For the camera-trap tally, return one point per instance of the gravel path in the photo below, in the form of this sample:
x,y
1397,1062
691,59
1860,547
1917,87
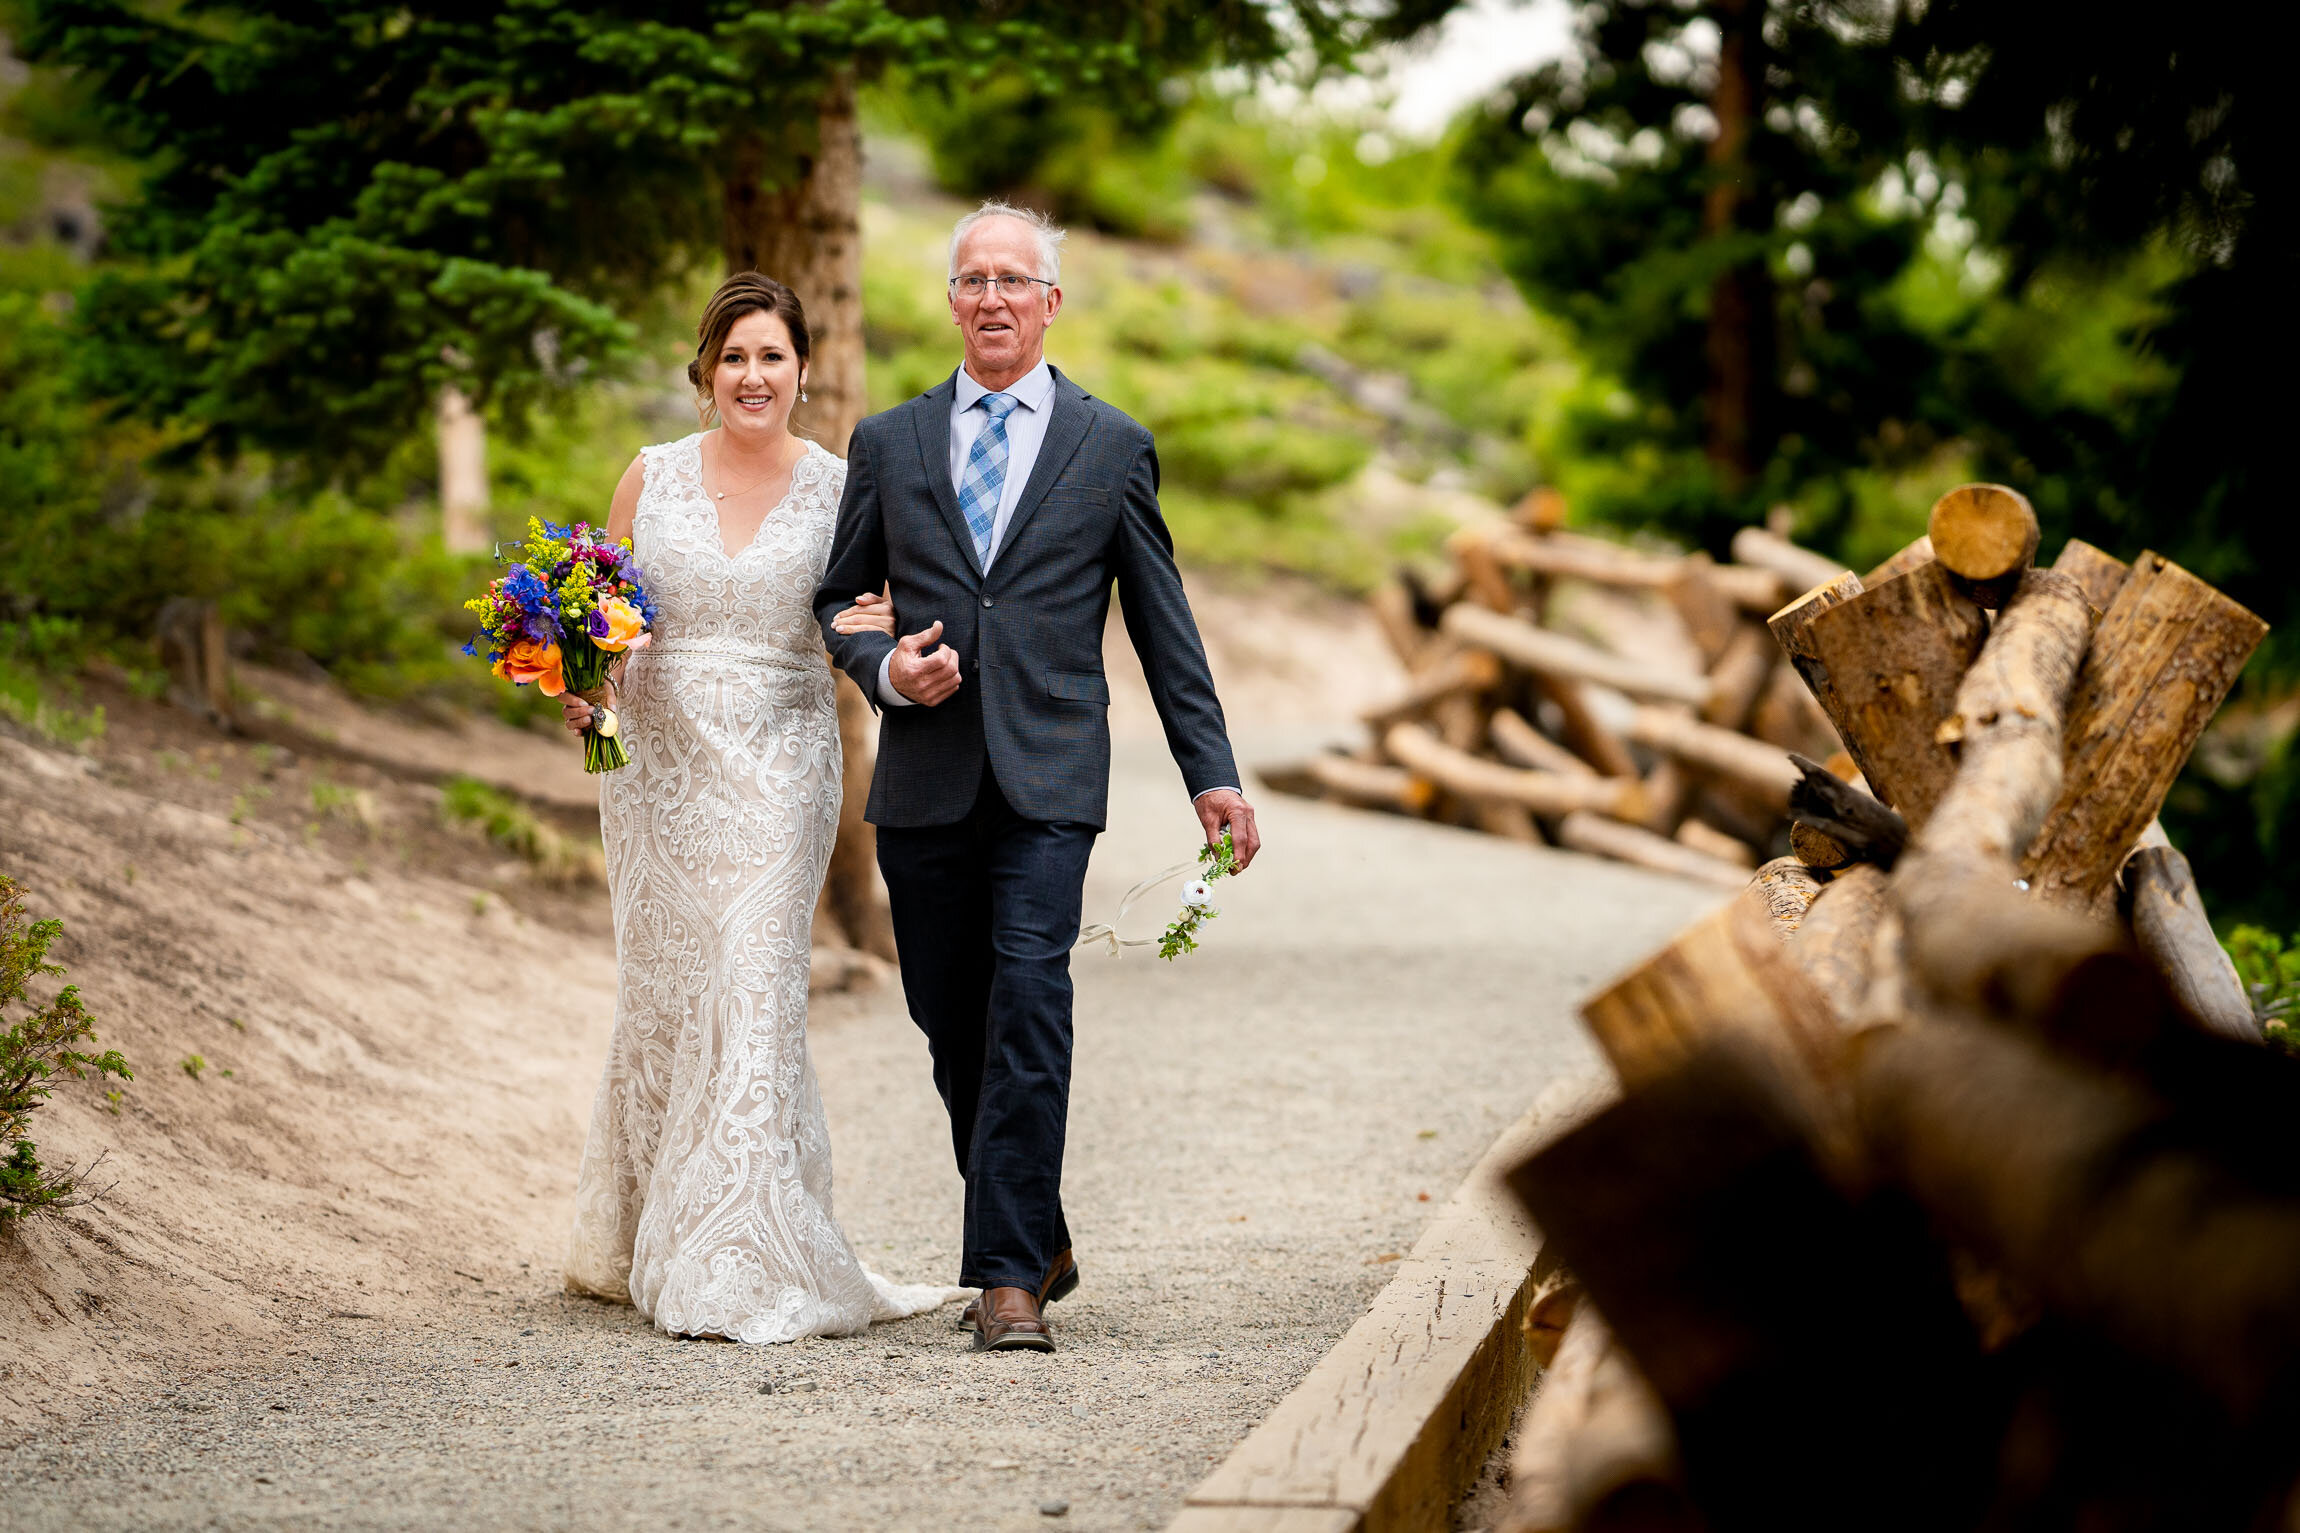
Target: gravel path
x,y
1255,1131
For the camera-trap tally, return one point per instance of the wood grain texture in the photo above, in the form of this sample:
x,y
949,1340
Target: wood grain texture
x,y
1555,654
1787,888
2164,656
1399,1418
1984,535
1835,943
1817,849
2101,574
1893,657
1724,975
1791,628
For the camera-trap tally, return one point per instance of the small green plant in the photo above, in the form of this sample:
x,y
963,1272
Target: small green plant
x,y
194,1065
2269,966
38,1044
334,801
556,858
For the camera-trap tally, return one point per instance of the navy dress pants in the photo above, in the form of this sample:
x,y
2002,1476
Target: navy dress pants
x,y
985,914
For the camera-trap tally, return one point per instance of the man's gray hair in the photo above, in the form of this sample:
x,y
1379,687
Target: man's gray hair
x,y
1050,235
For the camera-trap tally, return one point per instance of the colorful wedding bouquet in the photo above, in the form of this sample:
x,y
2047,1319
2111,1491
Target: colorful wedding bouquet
x,y
566,605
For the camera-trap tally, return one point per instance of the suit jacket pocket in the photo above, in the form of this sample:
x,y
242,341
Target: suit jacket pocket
x,y
1078,686
1076,495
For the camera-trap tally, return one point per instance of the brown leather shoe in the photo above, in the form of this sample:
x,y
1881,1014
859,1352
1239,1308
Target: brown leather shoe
x,y
1060,1282
1007,1320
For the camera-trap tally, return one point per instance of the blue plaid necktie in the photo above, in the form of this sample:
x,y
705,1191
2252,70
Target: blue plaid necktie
x,y
985,473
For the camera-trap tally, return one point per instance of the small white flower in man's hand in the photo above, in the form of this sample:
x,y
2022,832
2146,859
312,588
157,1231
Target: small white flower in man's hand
x,y
1197,894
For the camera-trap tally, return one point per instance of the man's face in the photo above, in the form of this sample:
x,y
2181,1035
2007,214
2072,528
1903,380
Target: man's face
x,y
1005,332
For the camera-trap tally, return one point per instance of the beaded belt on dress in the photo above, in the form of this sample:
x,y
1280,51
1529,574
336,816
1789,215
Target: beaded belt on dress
x,y
736,649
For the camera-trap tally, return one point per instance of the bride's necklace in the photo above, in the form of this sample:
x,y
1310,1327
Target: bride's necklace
x,y
754,484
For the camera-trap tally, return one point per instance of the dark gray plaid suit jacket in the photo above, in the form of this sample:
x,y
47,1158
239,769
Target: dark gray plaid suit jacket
x,y
1029,632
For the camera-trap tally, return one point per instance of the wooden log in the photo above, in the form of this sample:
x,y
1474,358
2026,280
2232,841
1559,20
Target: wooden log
x,y
1893,657
1737,677
190,636
1466,670
1511,822
1711,620
1369,784
2101,574
1847,814
1392,605
1755,591
1583,558
1752,763
1541,509
2173,933
1800,567
1723,976
1809,1347
1484,578
1669,790
1554,654
1954,890
2167,650
1907,559
1522,745
1595,1439
1583,729
1473,777
1708,840
1791,628
1788,888
1985,536
1817,849
1602,837
1835,943
1788,715
2066,1178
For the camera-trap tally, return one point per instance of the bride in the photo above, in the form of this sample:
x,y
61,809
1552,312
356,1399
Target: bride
x,y
705,1191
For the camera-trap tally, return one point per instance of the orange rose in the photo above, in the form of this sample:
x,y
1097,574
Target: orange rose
x,y
528,660
626,629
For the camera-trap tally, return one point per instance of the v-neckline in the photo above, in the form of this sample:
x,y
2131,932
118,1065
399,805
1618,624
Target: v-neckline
x,y
719,528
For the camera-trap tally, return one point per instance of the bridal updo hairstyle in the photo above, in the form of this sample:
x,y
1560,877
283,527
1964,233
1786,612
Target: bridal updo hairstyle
x,y
746,292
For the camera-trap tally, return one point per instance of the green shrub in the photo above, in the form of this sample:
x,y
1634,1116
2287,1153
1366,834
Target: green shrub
x,y
37,1044
2270,969
556,857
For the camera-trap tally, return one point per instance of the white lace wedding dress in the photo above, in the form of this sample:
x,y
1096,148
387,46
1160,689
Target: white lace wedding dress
x,y
705,1191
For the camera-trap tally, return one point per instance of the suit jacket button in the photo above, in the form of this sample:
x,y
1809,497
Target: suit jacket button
x,y
987,602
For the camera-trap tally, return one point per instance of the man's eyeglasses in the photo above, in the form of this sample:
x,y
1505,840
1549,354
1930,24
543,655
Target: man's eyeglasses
x,y
1010,285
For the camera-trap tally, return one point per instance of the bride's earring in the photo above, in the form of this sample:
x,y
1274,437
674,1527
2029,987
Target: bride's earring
x,y
802,396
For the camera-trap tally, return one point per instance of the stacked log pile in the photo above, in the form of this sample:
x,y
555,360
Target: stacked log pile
x,y
1512,726
1950,1186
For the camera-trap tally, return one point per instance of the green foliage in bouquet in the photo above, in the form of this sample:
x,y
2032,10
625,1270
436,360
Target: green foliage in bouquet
x,y
1218,861
37,1044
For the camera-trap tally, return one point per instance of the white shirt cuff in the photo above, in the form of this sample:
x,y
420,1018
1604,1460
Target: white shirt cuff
x,y
1202,792
886,692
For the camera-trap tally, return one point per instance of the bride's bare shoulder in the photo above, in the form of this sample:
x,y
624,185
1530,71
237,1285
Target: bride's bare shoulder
x,y
623,509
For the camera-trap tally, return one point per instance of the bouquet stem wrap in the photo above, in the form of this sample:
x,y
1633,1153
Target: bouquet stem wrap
x,y
603,749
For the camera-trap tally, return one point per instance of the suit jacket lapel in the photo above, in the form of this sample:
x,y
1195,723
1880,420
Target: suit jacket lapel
x,y
930,417
1064,431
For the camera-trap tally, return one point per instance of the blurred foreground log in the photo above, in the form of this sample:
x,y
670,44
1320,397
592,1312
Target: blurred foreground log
x,y
2175,936
1596,1449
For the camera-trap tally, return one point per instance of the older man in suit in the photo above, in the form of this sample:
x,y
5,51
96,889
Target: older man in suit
x,y
999,507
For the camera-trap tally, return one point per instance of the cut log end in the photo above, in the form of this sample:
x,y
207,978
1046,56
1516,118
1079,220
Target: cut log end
x,y
1816,848
1984,532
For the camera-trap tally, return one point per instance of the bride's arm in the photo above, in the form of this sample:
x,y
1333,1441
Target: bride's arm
x,y
622,515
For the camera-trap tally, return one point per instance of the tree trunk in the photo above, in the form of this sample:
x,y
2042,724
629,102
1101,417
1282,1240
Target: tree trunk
x,y
794,212
462,475
1740,339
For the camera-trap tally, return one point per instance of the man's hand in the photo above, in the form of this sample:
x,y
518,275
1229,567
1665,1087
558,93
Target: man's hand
x,y
922,674
1227,806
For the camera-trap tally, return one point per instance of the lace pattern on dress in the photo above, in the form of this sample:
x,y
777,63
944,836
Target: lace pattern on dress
x,y
704,1195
